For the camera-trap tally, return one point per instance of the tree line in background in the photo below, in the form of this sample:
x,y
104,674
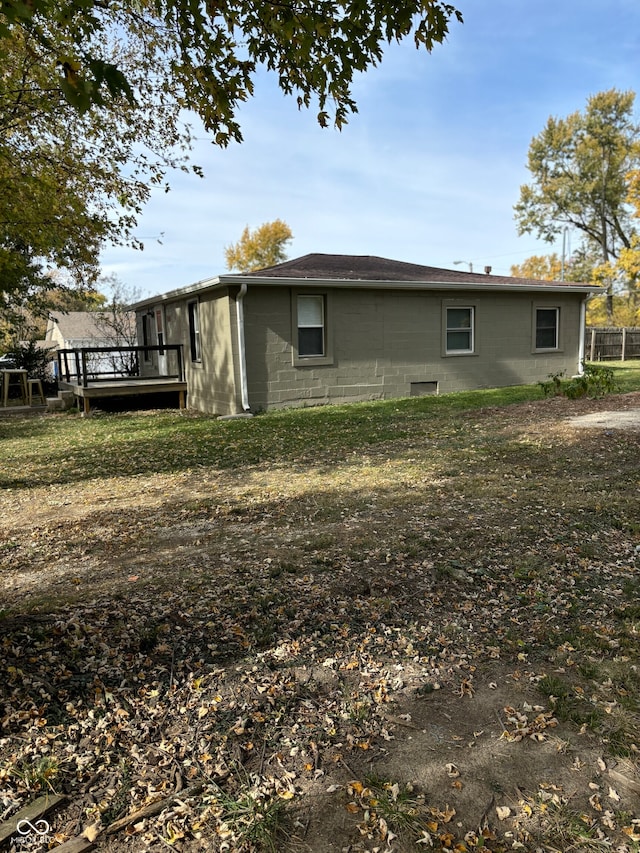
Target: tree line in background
x,y
585,172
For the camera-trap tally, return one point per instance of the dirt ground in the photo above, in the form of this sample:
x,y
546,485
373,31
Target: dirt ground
x,y
195,650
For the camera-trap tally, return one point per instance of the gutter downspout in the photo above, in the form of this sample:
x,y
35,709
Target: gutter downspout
x,y
242,357
583,322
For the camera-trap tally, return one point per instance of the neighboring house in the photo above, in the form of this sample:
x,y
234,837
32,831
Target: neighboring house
x,y
338,328
88,329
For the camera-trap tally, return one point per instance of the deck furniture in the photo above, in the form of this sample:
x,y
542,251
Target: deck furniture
x,y
16,376
35,386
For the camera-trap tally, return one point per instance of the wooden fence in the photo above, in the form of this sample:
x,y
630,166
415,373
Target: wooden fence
x,y
612,343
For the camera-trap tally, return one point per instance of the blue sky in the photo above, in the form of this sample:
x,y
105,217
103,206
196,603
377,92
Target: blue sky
x,y
429,168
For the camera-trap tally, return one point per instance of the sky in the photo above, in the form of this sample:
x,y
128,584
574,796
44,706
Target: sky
x,y
427,171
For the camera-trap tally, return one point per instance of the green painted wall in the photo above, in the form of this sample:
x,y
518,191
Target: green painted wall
x,y
381,345
387,345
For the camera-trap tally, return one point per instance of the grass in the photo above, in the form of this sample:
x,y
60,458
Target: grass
x,y
626,374
67,448
249,819
448,533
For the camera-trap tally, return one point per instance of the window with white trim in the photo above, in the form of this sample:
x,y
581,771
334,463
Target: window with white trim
x,y
194,331
547,326
459,329
311,312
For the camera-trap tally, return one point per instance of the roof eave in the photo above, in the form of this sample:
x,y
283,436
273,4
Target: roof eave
x,y
535,287
342,283
178,293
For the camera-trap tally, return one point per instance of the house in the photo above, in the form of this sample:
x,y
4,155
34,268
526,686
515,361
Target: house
x,y
340,328
74,330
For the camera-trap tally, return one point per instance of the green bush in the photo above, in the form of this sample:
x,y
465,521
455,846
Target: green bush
x,y
36,362
595,381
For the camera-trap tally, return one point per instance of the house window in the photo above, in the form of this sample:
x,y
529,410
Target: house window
x,y
194,331
146,334
160,331
311,326
547,326
459,331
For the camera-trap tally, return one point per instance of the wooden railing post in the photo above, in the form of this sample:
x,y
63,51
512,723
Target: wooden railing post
x,y
180,364
85,379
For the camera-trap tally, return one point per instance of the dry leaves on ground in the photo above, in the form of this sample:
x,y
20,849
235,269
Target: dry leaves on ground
x,y
428,642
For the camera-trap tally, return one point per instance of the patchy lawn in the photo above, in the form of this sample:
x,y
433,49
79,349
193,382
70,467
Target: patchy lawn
x,y
401,626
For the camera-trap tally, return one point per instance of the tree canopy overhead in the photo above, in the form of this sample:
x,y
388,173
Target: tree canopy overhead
x,y
206,54
70,182
93,96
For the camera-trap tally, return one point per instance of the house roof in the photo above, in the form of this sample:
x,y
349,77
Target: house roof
x,y
81,325
372,268
77,325
369,271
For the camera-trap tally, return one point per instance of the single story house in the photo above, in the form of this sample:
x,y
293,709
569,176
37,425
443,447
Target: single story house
x,y
75,329
340,328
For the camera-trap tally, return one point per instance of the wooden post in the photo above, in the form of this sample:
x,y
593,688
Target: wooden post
x,y
30,813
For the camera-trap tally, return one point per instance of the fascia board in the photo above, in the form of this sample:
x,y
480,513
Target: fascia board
x,y
179,293
516,287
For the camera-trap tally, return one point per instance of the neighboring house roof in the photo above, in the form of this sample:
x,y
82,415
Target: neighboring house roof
x,y
371,271
76,325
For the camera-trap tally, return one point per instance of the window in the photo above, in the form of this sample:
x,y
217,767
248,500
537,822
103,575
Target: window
x,y
194,331
160,331
459,331
146,334
311,326
547,328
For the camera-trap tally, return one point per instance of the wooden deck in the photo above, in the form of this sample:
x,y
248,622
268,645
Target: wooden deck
x,y
95,373
133,387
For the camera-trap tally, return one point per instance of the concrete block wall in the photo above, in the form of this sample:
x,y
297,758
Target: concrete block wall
x,y
383,342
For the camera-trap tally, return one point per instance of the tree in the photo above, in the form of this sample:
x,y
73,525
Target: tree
x,y
206,54
582,266
117,324
261,248
541,267
71,182
93,97
580,167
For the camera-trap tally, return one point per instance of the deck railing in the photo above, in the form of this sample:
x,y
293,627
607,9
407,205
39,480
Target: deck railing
x,y
120,364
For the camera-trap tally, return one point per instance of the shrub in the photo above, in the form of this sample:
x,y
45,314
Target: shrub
x,y
595,381
36,362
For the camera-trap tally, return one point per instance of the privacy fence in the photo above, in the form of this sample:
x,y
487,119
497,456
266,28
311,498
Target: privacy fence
x,y
612,343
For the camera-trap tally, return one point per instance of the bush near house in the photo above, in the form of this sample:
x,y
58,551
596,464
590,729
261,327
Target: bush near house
x,y
37,362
